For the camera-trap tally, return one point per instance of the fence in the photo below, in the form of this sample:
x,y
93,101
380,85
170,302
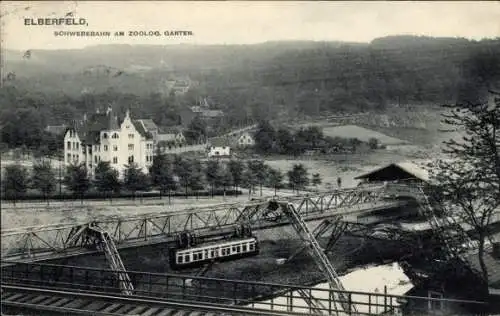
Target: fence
x,y
258,295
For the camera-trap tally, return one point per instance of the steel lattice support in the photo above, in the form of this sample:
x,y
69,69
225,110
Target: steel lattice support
x,y
63,240
317,253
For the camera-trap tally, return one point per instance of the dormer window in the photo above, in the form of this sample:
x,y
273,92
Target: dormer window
x,y
105,135
115,135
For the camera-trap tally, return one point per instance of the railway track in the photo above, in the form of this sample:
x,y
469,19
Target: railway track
x,y
66,302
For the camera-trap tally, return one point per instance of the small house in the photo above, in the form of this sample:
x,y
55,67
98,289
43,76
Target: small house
x,y
219,147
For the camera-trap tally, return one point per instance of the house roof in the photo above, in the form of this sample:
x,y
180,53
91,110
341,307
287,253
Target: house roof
x,y
140,128
172,130
89,131
212,113
410,169
165,137
56,129
219,142
148,124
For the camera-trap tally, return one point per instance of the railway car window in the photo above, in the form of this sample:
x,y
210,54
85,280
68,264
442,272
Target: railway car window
x,y
212,253
223,252
251,247
238,249
186,258
195,256
244,248
179,259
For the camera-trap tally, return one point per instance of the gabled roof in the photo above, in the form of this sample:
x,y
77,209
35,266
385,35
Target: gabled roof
x,y
165,137
219,142
140,128
409,168
148,124
56,129
171,130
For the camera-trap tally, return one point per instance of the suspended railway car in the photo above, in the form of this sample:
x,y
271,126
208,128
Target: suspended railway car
x,y
218,251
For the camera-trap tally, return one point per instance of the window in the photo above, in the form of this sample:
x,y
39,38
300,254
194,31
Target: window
x,y
115,160
69,145
77,146
95,159
130,135
244,248
147,158
115,148
83,149
69,158
127,126
130,159
186,258
130,146
251,247
105,147
90,149
105,135
115,135
179,259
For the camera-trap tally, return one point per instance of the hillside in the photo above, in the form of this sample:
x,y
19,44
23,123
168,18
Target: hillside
x,y
248,82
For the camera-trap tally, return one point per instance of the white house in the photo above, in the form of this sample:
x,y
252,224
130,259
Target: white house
x,y
219,147
245,140
103,138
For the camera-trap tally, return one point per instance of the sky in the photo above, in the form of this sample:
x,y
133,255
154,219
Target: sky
x,y
245,22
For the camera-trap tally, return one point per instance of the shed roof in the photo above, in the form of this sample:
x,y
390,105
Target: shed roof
x,y
410,169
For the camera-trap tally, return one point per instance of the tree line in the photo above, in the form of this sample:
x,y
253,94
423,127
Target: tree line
x,y
269,140
167,174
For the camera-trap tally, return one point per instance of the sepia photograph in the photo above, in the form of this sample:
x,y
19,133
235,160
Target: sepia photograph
x,y
203,158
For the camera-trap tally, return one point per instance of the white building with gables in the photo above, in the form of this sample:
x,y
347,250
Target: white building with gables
x,y
102,137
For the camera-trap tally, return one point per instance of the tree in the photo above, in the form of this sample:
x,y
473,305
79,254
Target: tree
x,y
258,169
249,180
275,179
213,174
106,178
77,179
196,179
298,177
264,138
316,179
44,178
469,180
373,143
134,179
197,130
16,181
183,169
237,169
162,174
226,179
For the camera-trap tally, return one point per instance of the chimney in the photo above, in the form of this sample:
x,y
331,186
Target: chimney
x,y
109,110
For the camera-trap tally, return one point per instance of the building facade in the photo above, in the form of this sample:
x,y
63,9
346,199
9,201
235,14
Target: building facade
x,y
103,138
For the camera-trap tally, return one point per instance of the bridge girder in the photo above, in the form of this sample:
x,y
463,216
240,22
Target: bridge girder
x,y
62,240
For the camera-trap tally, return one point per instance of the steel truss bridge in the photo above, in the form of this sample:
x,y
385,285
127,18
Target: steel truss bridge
x,y
113,233
40,243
